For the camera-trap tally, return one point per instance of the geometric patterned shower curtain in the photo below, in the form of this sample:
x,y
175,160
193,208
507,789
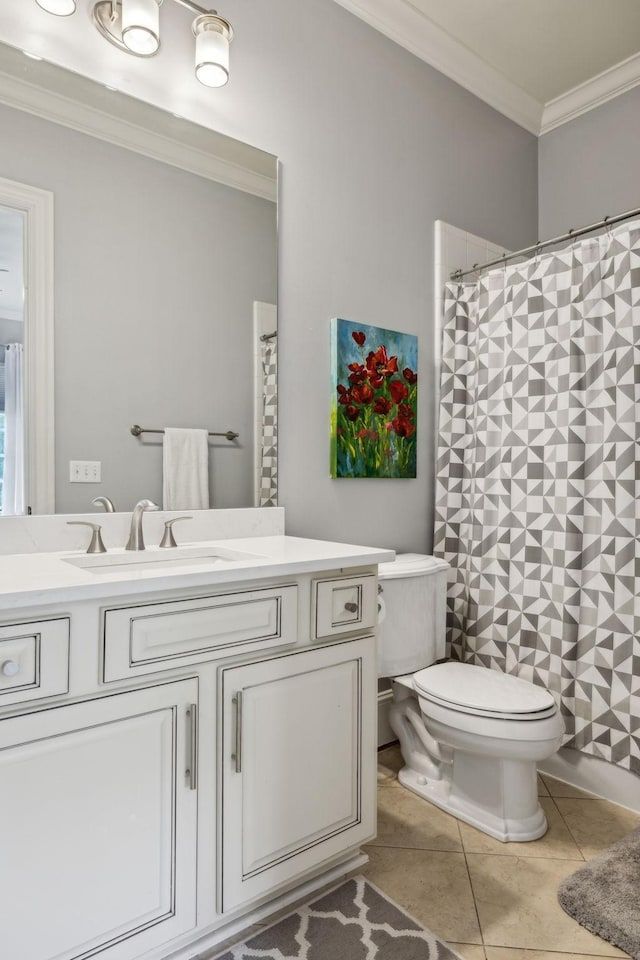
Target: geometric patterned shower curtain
x,y
269,447
538,482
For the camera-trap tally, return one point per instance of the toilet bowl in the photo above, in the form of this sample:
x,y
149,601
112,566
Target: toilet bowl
x,y
470,736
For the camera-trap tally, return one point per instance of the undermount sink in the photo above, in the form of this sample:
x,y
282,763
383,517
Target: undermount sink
x,y
156,559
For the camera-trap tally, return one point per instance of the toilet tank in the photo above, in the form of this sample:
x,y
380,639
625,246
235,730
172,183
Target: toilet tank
x,y
411,613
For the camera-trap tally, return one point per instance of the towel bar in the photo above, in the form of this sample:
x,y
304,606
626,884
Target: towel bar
x,y
229,434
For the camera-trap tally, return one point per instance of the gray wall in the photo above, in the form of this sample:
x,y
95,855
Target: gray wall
x,y
156,271
589,166
374,146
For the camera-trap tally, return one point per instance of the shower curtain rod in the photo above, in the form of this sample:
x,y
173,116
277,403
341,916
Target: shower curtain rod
x,y
571,235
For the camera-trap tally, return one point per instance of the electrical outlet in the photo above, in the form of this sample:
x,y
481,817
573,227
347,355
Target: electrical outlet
x,y
85,471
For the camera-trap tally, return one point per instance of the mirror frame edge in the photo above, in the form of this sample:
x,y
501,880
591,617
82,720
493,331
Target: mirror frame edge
x,y
37,205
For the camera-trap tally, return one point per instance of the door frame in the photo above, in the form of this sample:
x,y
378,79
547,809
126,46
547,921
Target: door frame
x,y
37,205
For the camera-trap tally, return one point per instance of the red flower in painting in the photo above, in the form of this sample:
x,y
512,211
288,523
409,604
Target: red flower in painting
x,y
398,391
359,337
344,395
404,410
382,406
362,393
358,373
403,427
409,375
352,413
380,366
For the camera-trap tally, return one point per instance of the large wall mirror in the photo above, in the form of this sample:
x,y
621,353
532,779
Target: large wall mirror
x,y
164,290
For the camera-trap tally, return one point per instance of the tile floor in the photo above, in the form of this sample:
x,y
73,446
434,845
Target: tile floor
x,y
491,900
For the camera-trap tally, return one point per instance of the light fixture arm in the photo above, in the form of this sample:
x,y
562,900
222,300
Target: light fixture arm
x,y
194,7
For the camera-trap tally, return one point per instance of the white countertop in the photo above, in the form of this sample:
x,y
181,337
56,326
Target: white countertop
x,y
36,579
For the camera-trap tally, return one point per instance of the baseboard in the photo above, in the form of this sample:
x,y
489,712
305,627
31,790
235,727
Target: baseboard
x,y
596,776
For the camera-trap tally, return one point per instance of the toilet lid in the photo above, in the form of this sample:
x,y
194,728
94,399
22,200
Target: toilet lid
x,y
486,692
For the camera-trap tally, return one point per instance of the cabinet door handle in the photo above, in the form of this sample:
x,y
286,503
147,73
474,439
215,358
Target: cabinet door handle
x,y
192,772
351,606
237,756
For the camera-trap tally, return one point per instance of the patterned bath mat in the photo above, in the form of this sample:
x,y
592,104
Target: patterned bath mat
x,y
355,921
603,896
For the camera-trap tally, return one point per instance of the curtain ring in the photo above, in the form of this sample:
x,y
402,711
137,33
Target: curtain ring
x,y
608,226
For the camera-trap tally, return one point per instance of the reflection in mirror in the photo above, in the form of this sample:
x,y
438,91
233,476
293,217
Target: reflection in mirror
x,y
12,490
164,286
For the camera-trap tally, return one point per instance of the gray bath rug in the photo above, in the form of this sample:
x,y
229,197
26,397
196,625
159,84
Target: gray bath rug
x,y
355,921
604,895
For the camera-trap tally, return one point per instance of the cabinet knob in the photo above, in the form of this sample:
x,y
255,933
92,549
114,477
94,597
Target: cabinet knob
x,y
10,668
351,607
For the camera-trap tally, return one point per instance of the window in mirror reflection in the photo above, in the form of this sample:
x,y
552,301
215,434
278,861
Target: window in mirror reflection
x,y
12,480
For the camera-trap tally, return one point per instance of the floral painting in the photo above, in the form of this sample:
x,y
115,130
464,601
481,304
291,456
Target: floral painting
x,y
375,401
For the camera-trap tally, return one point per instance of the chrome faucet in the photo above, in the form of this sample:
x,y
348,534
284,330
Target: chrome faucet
x,y
136,540
104,502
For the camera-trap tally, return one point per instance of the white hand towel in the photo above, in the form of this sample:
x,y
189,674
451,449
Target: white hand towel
x,y
185,460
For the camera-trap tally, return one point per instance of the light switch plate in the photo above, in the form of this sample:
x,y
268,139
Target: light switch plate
x,y
85,471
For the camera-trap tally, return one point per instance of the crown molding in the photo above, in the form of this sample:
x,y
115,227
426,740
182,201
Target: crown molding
x,y
83,118
402,22
593,93
406,25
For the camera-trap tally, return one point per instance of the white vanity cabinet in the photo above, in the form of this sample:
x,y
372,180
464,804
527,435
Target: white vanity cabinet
x,y
297,764
179,758
98,822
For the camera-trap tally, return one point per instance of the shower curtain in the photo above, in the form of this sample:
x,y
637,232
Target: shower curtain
x,y
538,482
13,492
269,449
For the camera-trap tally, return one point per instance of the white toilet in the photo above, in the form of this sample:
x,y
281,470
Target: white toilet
x,y
470,736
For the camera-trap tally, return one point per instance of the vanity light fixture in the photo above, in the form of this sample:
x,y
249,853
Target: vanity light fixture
x,y
134,27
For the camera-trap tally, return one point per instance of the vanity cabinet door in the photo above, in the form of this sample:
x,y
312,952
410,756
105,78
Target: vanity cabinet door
x,y
297,764
98,826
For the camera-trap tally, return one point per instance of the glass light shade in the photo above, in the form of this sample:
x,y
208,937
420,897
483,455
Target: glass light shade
x,y
60,8
141,26
213,36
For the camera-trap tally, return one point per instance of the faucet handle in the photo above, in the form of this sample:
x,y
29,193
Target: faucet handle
x,y
96,545
168,539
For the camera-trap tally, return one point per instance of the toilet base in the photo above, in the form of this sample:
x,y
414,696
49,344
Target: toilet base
x,y
443,793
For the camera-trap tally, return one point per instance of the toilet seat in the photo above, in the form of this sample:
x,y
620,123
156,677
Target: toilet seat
x,y
482,692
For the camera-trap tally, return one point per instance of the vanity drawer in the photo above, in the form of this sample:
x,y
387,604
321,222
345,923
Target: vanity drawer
x,y
343,605
161,636
34,660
